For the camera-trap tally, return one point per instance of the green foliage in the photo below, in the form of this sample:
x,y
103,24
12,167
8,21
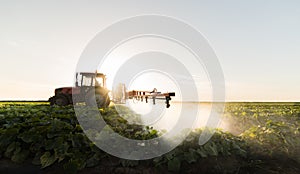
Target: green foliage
x,y
174,164
47,159
49,135
269,129
52,136
221,145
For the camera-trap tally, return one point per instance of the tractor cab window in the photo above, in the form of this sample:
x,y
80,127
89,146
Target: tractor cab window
x,y
87,81
99,81
91,79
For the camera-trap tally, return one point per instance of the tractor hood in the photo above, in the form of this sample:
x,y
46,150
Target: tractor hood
x,y
64,90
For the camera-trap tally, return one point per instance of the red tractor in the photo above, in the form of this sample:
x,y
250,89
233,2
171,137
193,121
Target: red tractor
x,y
92,87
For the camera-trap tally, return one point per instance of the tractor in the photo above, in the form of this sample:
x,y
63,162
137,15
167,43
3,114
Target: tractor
x,y
91,88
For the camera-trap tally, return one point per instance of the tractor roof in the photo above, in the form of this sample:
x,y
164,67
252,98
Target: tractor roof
x,y
92,74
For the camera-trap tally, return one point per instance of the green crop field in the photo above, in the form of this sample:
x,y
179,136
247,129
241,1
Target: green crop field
x,y
38,138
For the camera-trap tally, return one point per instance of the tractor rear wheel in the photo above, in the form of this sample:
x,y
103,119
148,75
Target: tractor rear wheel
x,y
107,101
102,101
60,100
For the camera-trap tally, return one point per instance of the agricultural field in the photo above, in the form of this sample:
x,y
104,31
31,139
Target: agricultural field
x,y
38,138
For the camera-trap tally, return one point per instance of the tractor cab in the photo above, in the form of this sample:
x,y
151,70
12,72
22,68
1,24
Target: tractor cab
x,y
90,79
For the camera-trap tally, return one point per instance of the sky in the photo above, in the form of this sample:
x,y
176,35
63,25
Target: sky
x,y
257,42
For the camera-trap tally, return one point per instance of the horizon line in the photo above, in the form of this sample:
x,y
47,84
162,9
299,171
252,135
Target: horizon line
x,y
226,101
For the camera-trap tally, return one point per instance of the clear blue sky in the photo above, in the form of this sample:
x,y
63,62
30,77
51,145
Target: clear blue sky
x,y
257,42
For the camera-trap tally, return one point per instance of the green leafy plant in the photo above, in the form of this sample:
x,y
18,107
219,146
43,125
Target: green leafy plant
x,y
52,136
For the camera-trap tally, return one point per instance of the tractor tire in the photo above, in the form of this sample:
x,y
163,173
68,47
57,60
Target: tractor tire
x,y
107,101
59,100
102,101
